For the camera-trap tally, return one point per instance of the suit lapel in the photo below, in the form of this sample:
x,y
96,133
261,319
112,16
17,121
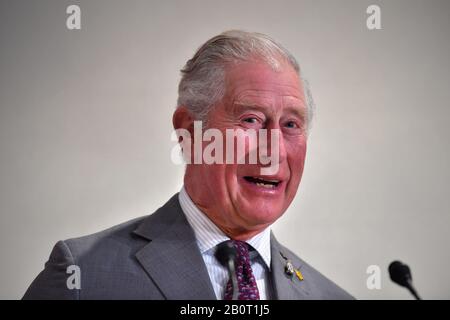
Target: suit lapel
x,y
174,262
285,287
172,258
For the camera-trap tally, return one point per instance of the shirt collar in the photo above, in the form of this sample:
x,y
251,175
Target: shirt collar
x,y
208,235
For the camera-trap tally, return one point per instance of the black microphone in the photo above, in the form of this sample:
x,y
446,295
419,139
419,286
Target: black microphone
x,y
401,275
226,255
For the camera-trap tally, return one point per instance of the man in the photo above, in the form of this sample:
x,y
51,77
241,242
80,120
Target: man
x,y
236,81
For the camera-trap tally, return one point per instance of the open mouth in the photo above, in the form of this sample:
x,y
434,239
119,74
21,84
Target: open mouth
x,y
266,183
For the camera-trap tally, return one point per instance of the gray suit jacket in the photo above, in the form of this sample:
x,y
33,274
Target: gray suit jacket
x,y
156,257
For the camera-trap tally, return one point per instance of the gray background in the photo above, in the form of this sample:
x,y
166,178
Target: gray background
x,y
85,124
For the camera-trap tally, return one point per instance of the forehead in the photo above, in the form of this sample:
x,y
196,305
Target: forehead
x,y
258,83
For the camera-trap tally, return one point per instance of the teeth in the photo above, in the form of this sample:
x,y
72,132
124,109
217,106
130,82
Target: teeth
x,y
268,186
264,183
274,181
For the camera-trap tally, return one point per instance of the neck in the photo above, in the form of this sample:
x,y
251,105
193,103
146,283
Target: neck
x,y
233,231
241,235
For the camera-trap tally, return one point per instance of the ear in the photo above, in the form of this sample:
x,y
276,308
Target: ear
x,y
183,123
182,119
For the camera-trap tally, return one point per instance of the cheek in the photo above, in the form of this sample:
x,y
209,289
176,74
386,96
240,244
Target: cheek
x,y
296,159
221,178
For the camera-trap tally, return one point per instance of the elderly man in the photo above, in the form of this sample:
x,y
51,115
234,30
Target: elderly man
x,y
236,81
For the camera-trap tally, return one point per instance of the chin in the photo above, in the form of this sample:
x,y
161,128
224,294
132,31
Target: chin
x,y
260,215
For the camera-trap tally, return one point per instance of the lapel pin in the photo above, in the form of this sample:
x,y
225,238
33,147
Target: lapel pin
x,y
289,268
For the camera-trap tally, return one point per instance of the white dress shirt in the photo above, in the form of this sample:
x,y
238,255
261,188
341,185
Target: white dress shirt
x,y
208,236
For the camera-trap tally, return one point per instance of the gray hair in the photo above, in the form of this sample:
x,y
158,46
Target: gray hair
x,y
202,82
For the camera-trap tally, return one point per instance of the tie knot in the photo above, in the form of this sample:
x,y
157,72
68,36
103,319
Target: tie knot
x,y
243,249
240,245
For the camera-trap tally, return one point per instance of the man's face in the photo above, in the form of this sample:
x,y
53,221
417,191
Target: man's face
x,y
232,195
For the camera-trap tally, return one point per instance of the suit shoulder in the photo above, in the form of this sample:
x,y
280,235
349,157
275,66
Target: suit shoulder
x,y
101,262
112,238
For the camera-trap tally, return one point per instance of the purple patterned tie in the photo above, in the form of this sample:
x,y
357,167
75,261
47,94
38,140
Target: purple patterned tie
x,y
246,281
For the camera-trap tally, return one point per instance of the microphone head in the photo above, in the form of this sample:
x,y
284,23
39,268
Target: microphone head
x,y
400,273
225,252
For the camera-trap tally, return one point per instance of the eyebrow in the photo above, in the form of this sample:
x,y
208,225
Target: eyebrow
x,y
298,110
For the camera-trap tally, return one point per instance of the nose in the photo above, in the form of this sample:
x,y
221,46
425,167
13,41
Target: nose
x,y
275,146
282,148
275,131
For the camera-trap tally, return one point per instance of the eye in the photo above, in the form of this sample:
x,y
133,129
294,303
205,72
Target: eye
x,y
250,120
292,124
